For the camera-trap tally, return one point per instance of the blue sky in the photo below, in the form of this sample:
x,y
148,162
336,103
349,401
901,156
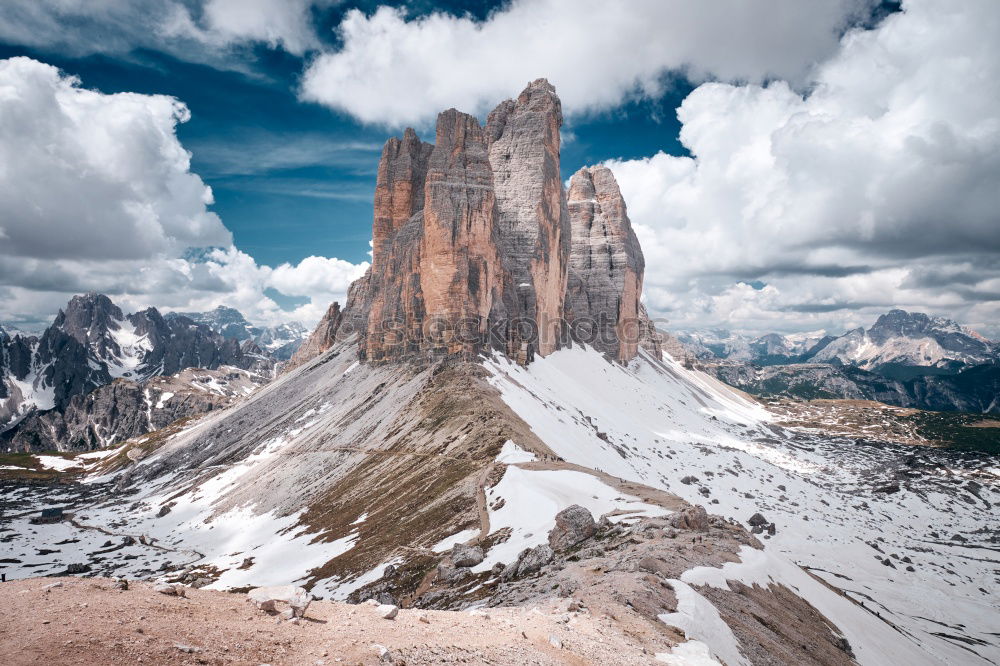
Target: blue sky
x,y
789,166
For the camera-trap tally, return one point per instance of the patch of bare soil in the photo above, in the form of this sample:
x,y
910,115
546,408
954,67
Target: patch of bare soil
x,y
88,621
851,418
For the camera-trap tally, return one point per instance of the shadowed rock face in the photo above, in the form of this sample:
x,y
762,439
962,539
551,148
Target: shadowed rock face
x,y
471,246
460,269
399,190
606,266
533,219
322,338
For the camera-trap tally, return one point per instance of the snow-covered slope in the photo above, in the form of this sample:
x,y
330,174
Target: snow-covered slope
x,y
339,469
848,512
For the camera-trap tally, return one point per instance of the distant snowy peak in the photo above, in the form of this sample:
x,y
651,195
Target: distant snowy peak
x,y
896,338
280,341
909,339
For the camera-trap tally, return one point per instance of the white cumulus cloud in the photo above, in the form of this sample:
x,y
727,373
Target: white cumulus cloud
x,y
875,189
97,195
83,174
394,71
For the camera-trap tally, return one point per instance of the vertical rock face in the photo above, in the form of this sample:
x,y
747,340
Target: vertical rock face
x,y
533,220
460,267
472,246
399,190
606,266
322,338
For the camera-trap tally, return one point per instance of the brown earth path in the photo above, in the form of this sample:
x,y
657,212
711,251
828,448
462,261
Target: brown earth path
x,y
85,621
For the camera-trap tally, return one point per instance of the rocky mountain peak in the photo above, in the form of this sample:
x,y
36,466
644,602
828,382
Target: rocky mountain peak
x,y
89,318
899,323
399,189
472,246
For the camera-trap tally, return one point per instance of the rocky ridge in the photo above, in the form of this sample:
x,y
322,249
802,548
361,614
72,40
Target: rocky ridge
x,y
91,344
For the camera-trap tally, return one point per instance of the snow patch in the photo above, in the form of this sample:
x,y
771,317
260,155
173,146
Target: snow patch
x,y
57,463
531,500
699,619
512,454
459,537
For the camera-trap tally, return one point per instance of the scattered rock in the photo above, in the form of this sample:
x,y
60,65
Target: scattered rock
x,y
188,649
573,525
77,568
423,618
449,573
266,598
688,480
384,655
555,642
170,589
120,584
52,586
387,611
532,560
466,556
757,520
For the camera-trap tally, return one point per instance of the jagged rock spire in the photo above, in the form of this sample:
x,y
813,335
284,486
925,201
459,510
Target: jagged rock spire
x,y
533,219
472,245
606,266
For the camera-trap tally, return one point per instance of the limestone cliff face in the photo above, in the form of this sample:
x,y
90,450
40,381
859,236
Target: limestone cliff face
x,y
321,339
533,219
460,266
399,190
606,266
475,247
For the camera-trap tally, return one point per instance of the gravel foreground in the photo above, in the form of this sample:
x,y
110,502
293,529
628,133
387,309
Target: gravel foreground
x,y
89,621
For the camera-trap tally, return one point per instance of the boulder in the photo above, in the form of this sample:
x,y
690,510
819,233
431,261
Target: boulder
x,y
387,611
466,556
170,589
757,520
692,518
573,525
531,561
449,573
266,598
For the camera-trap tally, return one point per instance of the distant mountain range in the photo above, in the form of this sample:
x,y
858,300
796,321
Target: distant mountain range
x,y
92,343
280,341
905,358
898,339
